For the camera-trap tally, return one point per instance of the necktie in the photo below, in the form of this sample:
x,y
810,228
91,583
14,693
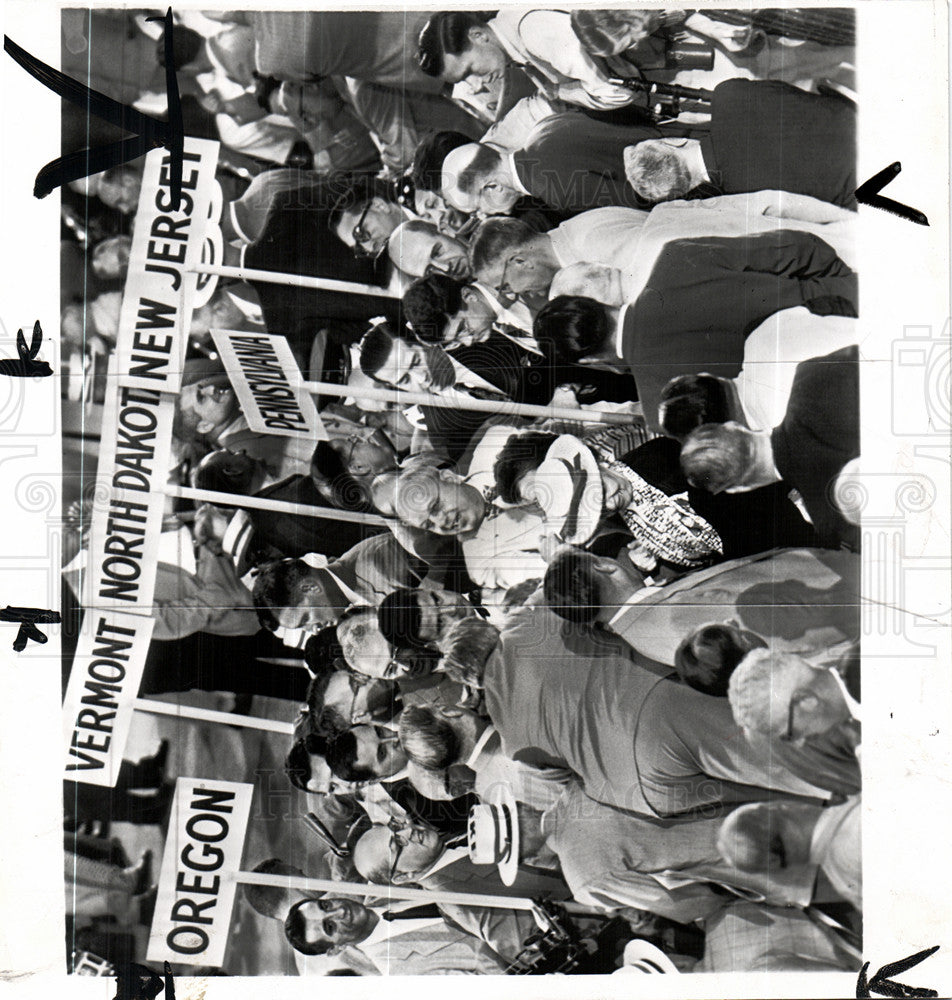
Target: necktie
x,y
414,913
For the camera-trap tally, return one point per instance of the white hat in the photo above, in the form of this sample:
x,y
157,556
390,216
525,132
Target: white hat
x,y
493,832
568,488
642,956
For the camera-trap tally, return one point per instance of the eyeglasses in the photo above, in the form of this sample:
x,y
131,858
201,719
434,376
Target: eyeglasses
x,y
500,289
361,236
399,839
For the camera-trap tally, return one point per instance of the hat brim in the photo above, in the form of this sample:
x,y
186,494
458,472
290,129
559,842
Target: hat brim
x,y
568,488
501,795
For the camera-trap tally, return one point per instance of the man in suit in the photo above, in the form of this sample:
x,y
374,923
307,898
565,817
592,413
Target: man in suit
x,y
702,297
569,162
466,749
671,867
413,852
301,236
500,546
515,261
794,599
360,939
818,437
294,595
753,123
451,314
567,695
496,369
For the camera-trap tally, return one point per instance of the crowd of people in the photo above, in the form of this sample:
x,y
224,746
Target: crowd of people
x,y
628,634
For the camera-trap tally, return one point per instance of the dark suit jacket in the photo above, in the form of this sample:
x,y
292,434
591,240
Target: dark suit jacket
x,y
748,523
297,240
379,46
524,377
572,162
770,136
295,535
704,296
818,436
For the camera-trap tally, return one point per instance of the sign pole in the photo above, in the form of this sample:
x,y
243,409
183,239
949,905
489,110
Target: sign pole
x,y
278,506
293,280
210,715
463,402
305,884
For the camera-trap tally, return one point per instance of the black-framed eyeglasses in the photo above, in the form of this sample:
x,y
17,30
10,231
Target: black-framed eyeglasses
x,y
399,839
361,236
500,289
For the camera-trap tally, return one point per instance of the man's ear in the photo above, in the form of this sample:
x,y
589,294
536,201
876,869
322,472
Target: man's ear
x,y
401,878
477,33
605,565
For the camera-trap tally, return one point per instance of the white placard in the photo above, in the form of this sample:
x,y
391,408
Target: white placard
x,y
197,884
103,685
159,291
267,381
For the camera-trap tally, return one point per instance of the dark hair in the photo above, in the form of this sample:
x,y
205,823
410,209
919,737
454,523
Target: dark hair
x,y
278,585
399,618
295,930
691,400
520,454
575,325
427,169
496,236
265,86
297,764
484,160
444,34
328,467
708,657
428,305
570,587
265,899
375,349
323,654
213,473
322,650
186,45
341,758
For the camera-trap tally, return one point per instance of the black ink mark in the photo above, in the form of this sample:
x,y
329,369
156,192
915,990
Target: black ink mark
x,y
868,194
26,365
28,617
130,985
883,985
149,133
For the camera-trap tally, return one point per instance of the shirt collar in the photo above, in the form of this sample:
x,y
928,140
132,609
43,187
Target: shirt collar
x,y
487,734
620,330
514,173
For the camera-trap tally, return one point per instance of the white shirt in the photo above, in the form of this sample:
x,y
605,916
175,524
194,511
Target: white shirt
x,y
535,787
544,40
509,133
505,550
608,236
772,353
